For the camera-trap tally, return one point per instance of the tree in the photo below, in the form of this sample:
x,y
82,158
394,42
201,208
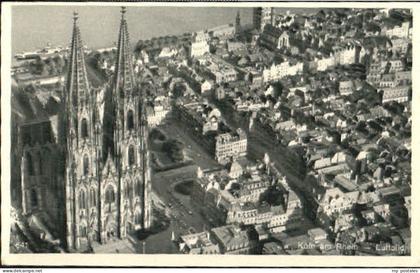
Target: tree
x,y
38,67
140,45
277,89
30,88
212,49
59,63
97,60
273,196
157,134
52,68
179,90
58,85
174,149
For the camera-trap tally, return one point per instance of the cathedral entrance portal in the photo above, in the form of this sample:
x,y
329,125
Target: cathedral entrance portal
x,y
110,228
110,234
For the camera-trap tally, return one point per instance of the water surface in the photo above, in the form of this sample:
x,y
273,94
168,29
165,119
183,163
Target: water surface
x,y
35,26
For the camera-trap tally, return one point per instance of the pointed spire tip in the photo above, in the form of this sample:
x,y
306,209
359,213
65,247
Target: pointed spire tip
x,y
75,16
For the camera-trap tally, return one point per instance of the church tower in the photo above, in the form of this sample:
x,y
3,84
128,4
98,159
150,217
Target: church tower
x,y
82,140
238,24
107,158
256,18
128,186
267,17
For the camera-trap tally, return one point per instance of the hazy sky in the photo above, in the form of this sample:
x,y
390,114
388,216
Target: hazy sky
x,y
34,26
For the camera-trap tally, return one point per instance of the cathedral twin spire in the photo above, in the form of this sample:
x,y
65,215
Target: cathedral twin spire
x,y
124,76
78,93
118,139
77,83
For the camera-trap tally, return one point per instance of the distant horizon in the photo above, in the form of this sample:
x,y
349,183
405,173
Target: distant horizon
x,y
53,24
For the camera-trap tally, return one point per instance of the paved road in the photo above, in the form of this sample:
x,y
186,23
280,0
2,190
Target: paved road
x,y
182,222
184,216
260,142
174,128
184,213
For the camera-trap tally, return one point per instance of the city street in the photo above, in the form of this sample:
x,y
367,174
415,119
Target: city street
x,y
296,120
184,217
260,142
173,128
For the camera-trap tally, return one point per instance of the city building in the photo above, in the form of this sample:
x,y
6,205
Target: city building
x,y
223,32
198,243
317,234
157,111
27,79
206,86
348,54
402,31
277,72
400,45
206,118
395,65
270,37
267,17
202,36
403,77
407,204
168,52
42,187
256,18
230,146
346,87
219,70
238,28
199,49
238,196
398,94
334,202
233,240
325,63
284,40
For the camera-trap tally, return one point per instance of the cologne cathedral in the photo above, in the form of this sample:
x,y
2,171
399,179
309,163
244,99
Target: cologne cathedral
x,y
103,139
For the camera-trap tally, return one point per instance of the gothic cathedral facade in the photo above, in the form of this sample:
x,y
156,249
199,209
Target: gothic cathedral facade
x,y
107,165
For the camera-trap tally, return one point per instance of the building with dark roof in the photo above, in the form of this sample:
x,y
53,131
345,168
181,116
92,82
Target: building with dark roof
x,y
233,240
269,38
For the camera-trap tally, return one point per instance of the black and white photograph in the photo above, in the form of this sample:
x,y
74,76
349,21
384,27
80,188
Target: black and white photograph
x,y
211,130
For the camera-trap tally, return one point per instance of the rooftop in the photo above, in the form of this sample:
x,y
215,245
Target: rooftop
x,y
232,236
